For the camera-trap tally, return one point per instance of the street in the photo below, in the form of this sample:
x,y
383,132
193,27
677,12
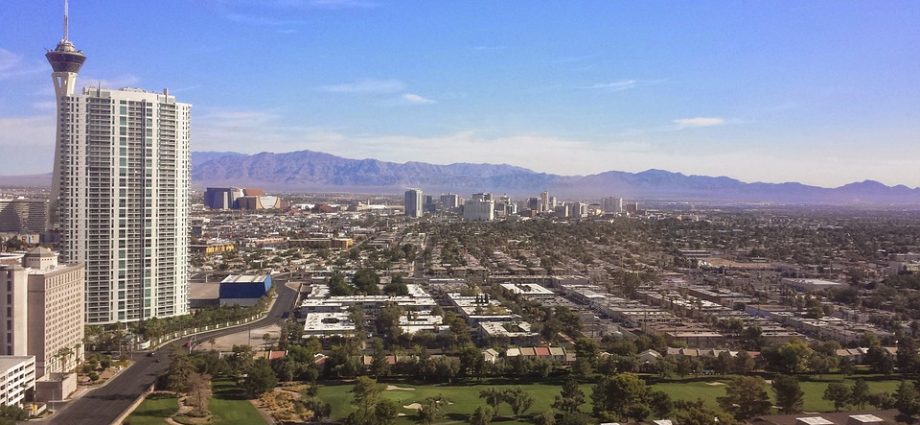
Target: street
x,y
103,405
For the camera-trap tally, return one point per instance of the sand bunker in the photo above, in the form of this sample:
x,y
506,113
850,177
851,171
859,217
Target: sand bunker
x,y
395,388
413,406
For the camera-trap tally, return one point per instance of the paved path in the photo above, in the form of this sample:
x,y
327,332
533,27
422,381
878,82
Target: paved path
x,y
103,405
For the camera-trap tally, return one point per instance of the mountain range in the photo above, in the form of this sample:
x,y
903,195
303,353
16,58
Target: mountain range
x,y
308,171
316,171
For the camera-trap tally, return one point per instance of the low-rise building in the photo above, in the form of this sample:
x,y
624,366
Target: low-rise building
x,y
244,289
328,324
529,291
17,378
515,332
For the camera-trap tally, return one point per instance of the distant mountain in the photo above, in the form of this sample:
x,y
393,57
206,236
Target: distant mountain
x,y
26,180
317,171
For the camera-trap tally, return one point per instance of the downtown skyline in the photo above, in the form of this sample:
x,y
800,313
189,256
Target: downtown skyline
x,y
819,93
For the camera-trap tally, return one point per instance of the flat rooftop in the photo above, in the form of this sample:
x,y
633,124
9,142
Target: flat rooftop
x,y
245,278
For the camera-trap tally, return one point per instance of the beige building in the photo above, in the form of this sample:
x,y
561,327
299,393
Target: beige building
x,y
43,316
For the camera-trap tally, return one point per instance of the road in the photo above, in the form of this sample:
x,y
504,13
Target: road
x,y
103,405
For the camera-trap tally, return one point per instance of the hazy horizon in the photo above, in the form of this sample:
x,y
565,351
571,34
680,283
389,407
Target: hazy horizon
x,y
819,93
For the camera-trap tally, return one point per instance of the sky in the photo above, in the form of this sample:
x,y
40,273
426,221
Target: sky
x,y
821,92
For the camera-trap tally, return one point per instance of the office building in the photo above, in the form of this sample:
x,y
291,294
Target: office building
x,y
23,215
533,204
450,201
429,205
612,204
42,305
120,199
414,203
504,206
544,202
222,198
17,377
480,208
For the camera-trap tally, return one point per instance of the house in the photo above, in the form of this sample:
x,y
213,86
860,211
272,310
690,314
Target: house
x,y
490,355
649,357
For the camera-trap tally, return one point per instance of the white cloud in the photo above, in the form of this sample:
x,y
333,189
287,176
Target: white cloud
x,y
249,19
27,144
414,99
12,65
116,82
8,60
699,122
615,86
45,105
486,47
366,86
308,4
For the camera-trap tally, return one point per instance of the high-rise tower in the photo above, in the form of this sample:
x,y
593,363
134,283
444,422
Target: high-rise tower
x,y
413,203
121,193
66,62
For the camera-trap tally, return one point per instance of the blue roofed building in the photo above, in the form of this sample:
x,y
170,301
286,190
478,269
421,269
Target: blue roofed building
x,y
244,289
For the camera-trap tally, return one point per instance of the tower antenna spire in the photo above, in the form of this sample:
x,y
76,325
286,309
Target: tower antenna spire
x,y
66,12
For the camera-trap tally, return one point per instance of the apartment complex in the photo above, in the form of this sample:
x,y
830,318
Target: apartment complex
x,y
121,194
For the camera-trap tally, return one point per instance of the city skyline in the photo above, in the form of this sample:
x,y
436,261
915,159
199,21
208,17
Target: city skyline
x,y
817,93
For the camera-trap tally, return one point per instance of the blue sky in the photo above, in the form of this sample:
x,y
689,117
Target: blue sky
x,y
823,92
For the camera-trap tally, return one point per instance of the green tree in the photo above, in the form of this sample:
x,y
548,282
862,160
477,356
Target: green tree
x,y
791,357
696,413
180,369
432,409
789,395
379,365
907,400
623,396
586,352
396,287
387,322
838,393
859,394
365,395
519,400
366,281
493,397
338,286
471,360
570,398
260,378
385,412
482,416
746,397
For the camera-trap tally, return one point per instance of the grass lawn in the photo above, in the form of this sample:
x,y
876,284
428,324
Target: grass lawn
x,y
704,389
465,397
152,411
228,406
